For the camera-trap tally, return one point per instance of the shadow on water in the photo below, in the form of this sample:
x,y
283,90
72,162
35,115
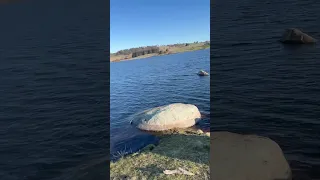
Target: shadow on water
x,y
133,142
137,139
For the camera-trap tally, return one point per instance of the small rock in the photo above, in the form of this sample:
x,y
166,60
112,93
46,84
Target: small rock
x,y
199,131
296,36
208,134
203,73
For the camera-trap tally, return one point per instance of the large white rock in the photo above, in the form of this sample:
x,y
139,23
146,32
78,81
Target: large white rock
x,y
296,36
171,116
246,157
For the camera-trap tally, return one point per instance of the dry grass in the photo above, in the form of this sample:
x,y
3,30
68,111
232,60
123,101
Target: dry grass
x,y
170,50
189,151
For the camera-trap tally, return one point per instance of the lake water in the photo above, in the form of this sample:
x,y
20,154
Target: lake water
x,y
54,90
141,84
54,84
261,86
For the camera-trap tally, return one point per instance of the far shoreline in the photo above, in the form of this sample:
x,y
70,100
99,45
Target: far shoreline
x,y
143,57
165,50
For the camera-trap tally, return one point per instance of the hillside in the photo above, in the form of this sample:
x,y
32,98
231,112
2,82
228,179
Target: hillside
x,y
148,51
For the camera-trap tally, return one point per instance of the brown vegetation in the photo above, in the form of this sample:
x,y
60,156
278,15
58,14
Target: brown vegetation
x,y
148,51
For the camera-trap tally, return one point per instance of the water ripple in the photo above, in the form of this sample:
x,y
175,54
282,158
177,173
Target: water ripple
x,y
260,86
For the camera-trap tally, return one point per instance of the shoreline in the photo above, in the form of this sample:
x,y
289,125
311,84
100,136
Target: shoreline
x,y
153,138
186,154
172,152
174,51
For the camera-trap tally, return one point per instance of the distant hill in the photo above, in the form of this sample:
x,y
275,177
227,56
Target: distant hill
x,y
148,51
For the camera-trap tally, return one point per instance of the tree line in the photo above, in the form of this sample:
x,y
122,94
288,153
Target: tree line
x,y
139,51
145,50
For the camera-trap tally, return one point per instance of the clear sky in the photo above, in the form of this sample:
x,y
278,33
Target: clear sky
x,y
135,23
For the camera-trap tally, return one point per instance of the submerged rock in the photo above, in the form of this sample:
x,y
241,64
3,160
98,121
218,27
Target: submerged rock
x,y
203,73
167,117
246,157
296,36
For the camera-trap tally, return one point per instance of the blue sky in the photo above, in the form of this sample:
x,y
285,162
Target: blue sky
x,y
135,23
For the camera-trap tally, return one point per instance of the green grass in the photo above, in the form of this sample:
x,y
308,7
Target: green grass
x,y
187,151
194,48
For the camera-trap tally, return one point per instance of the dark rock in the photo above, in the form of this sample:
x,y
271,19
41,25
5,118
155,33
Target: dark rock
x,y
296,36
